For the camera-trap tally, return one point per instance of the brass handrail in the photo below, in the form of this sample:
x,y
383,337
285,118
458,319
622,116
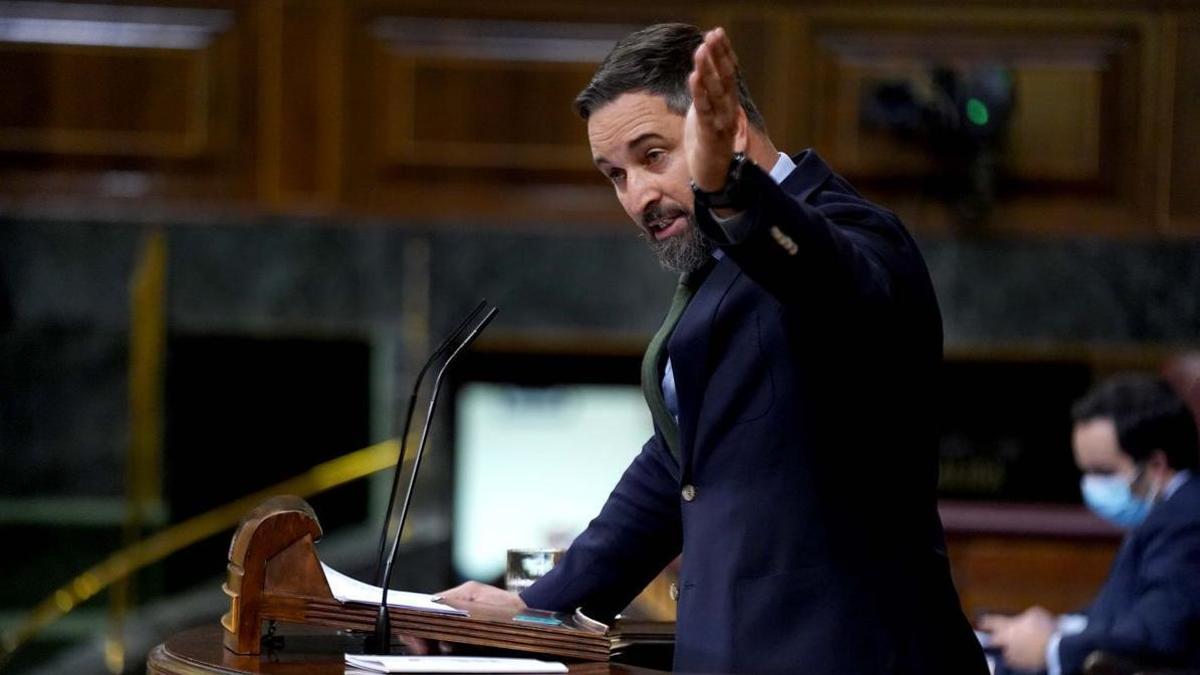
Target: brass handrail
x,y
154,548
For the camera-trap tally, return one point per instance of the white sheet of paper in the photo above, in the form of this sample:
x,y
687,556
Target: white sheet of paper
x,y
451,664
347,589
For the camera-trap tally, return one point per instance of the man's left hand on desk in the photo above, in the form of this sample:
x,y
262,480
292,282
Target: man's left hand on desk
x,y
471,591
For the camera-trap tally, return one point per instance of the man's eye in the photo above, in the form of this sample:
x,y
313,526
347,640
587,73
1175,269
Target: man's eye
x,y
656,156
616,176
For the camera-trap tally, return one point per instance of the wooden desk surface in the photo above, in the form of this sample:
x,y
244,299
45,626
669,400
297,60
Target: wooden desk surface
x,y
306,651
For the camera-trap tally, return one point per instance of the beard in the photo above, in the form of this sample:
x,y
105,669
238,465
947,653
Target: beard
x,y
686,252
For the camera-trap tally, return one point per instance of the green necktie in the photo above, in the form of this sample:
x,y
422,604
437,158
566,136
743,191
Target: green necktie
x,y
652,370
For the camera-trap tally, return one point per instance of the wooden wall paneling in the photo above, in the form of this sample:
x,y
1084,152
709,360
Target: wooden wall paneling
x,y
1184,180
1061,139
477,113
467,115
789,68
64,107
1011,573
1079,153
301,106
105,89
480,93
460,109
449,113
1168,25
1152,141
120,100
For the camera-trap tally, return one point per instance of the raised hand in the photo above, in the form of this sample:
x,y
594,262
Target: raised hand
x,y
716,124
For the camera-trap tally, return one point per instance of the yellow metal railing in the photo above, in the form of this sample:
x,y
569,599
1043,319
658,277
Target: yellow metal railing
x,y
148,551
143,484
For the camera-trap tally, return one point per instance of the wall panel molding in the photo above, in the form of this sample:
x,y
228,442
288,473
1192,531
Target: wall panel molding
x,y
485,94
109,80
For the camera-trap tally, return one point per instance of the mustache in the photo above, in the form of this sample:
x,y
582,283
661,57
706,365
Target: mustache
x,y
658,212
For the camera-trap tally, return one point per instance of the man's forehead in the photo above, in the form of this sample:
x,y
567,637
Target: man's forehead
x,y
629,118
1096,443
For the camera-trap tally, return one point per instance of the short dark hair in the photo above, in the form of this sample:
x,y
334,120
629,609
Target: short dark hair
x,y
1148,415
657,60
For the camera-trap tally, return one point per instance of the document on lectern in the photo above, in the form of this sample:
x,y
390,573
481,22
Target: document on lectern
x,y
534,631
347,589
450,664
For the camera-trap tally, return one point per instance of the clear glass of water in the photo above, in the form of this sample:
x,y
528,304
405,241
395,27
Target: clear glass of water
x,y
527,565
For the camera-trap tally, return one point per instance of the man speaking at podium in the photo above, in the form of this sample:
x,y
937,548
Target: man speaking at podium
x,y
792,388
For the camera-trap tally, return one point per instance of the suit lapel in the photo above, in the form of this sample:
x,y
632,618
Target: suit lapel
x,y
689,345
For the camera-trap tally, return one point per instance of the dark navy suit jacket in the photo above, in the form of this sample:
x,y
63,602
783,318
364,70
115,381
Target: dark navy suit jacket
x,y
1149,608
805,367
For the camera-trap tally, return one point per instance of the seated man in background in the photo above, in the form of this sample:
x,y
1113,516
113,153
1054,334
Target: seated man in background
x,y
1135,442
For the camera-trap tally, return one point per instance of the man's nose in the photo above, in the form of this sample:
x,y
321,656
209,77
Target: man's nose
x,y
644,190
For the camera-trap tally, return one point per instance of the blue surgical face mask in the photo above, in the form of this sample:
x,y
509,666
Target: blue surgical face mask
x,y
1111,498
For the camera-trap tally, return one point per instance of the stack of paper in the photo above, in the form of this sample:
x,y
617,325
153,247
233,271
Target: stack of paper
x,y
347,589
450,664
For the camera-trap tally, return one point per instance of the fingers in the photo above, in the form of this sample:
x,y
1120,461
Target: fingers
x,y
416,646
994,623
1040,612
468,592
718,52
720,63
713,81
716,92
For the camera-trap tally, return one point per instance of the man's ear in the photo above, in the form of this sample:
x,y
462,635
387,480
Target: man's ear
x,y
1157,461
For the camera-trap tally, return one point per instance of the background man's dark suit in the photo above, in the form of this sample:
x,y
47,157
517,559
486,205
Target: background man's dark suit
x,y
805,365
1150,605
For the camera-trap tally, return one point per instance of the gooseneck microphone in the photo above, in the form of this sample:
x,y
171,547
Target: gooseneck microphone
x,y
455,344
408,418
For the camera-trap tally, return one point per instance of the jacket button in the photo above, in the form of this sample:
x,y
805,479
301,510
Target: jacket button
x,y
674,592
688,492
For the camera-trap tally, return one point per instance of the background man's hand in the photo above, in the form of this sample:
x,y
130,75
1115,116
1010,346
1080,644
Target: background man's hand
x,y
1022,639
711,129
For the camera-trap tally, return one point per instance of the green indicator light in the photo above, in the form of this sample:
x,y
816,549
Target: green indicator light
x,y
977,112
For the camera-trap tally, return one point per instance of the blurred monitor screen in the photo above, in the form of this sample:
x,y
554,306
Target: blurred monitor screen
x,y
534,464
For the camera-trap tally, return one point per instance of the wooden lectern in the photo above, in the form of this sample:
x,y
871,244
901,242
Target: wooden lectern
x,y
199,651
274,574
